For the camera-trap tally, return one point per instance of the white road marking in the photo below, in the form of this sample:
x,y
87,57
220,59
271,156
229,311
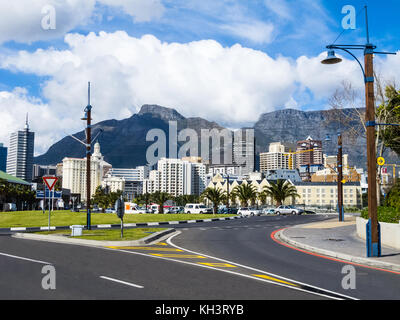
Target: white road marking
x,y
123,282
23,258
262,271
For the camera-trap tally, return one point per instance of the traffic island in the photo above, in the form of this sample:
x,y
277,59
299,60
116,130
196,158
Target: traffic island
x,y
137,237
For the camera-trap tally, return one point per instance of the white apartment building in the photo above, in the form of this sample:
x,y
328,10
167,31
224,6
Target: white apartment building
x,y
275,158
74,173
176,177
127,180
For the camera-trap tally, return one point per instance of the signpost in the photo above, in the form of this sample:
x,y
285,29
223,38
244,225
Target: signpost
x,y
120,211
50,182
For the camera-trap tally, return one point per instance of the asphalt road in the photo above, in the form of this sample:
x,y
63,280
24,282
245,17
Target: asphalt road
x,y
256,268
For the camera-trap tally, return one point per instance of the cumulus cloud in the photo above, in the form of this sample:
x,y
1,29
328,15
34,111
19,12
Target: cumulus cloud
x,y
23,20
231,85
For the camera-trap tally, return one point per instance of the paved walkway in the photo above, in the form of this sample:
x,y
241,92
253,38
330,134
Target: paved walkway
x,y
339,240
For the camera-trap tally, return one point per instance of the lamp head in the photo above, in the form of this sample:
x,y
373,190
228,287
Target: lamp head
x,y
331,58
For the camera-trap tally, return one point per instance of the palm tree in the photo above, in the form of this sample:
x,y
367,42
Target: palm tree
x,y
145,198
245,192
216,196
281,190
159,198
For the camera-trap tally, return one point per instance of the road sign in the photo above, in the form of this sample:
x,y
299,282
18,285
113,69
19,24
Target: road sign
x,y
120,208
344,181
41,195
380,161
50,182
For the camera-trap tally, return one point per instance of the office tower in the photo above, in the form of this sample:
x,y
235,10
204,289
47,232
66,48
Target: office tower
x,y
3,158
244,150
20,153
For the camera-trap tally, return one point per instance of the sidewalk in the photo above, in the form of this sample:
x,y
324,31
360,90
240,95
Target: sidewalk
x,y
338,240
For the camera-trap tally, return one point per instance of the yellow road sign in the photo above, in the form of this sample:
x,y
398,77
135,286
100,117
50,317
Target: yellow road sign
x,y
380,161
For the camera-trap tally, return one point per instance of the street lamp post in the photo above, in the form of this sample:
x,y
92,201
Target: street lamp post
x,y
373,233
88,119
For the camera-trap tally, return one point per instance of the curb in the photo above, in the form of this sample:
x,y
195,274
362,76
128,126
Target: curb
x,y
342,256
110,226
95,243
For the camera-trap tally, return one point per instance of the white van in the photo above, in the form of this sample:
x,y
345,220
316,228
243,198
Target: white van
x,y
197,208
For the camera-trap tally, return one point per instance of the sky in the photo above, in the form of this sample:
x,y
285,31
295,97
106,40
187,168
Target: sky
x,y
227,61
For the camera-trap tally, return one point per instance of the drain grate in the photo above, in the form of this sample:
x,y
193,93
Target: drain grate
x,y
333,239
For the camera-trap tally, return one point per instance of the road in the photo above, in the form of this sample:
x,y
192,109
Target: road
x,y
225,260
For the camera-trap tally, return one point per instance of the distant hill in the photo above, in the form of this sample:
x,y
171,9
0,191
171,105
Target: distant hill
x,y
123,142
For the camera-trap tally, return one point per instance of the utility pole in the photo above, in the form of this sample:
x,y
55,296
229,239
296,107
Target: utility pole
x,y
340,177
371,151
88,119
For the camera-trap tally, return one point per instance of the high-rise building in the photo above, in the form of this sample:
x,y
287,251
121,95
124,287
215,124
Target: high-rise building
x,y
176,177
3,158
244,151
74,173
275,158
309,157
20,153
129,181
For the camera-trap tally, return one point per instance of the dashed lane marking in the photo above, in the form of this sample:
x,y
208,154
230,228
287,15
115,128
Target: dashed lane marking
x,y
217,264
274,279
184,256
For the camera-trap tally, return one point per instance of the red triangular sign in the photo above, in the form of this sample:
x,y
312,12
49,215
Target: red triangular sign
x,y
50,182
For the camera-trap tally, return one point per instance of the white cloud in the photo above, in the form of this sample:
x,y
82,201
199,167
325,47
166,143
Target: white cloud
x,y
21,20
230,85
256,31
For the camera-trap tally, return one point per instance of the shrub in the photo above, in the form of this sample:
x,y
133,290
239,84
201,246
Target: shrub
x,y
385,214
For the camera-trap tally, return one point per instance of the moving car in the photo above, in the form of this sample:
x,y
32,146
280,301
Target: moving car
x,y
197,208
288,210
248,212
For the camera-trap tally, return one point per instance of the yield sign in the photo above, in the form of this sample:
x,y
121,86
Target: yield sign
x,y
50,182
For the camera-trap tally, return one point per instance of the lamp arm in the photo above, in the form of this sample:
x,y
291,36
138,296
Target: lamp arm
x,y
349,52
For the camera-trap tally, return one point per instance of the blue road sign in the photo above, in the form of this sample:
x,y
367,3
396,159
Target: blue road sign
x,y
49,194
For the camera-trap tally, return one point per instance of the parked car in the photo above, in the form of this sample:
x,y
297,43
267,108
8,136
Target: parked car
x,y
110,210
268,211
288,210
173,210
248,212
197,208
228,210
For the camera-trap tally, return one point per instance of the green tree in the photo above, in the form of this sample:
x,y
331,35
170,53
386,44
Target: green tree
x,y
216,196
389,111
245,193
145,199
280,190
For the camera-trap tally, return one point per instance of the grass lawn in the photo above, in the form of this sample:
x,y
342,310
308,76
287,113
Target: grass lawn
x,y
110,234
67,218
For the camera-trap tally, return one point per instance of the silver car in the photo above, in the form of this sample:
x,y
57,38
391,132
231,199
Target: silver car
x,y
288,210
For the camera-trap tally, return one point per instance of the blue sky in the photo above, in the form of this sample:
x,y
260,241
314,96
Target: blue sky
x,y
214,42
